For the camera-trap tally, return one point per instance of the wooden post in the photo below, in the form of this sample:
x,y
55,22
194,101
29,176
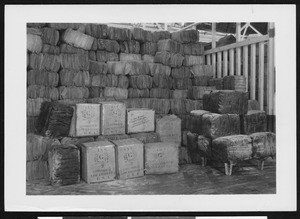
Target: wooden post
x,y
238,32
238,49
208,61
253,71
245,65
261,76
271,72
225,63
219,64
213,31
213,56
231,62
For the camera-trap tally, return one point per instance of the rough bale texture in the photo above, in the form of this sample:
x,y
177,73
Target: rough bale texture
x,y
34,43
34,106
128,68
234,82
185,121
200,80
108,45
186,36
130,46
78,39
36,170
119,34
178,106
161,158
204,146
182,72
34,31
232,148
76,141
184,138
98,100
97,30
193,49
160,106
75,61
36,25
142,35
97,67
202,70
169,46
64,26
99,80
218,125
179,94
112,80
123,82
253,121
182,83
171,59
54,119
148,58
47,62
64,164
73,92
193,105
38,91
130,57
104,56
161,93
71,102
74,78
217,82
50,36
161,35
137,93
190,60
169,128
41,77
31,124
263,145
157,68
149,48
226,101
111,137
197,92
253,105
140,82
139,120
66,48
196,121
161,81
146,137
115,92
184,157
192,140
55,50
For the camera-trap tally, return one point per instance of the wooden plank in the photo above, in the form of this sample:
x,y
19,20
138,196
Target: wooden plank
x,y
271,73
238,61
225,63
245,64
261,76
231,62
219,64
238,32
213,30
214,64
208,61
253,71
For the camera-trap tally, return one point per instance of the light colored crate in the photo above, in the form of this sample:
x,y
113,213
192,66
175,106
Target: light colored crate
x,y
140,120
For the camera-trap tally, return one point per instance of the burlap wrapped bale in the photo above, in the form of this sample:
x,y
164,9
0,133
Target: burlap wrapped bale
x,y
50,49
117,68
160,81
226,101
75,61
54,119
36,91
197,92
66,48
200,80
97,100
76,141
34,106
162,93
40,77
123,82
202,70
193,49
148,58
64,164
146,137
171,59
130,67
179,94
253,121
253,105
234,82
232,148
108,45
192,140
186,36
34,31
190,60
97,30
178,106
119,34
157,68
73,92
217,82
149,48
184,137
99,80
64,26
36,170
133,102
47,62
112,80
71,102
104,56
92,56
196,124
185,121
169,128
78,39
115,92
130,57
137,93
140,82
74,78
50,36
160,106
95,92
142,35
111,137
193,105
95,45
161,35
169,46
34,43
31,124
182,83
130,46
182,72
204,147
97,67
218,125
36,25
184,157
263,145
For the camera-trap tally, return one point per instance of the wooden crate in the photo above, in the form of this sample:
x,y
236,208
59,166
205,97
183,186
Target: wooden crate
x,y
140,120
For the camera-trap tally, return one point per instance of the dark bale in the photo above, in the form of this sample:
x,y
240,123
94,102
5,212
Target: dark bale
x,y
253,121
108,45
97,30
104,56
130,46
119,34
149,48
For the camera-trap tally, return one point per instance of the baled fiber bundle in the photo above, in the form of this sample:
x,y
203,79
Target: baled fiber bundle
x,y
34,31
36,170
179,94
36,91
112,80
108,45
75,61
99,31
64,26
92,56
169,128
117,68
178,106
142,35
137,68
50,36
148,58
160,81
73,92
133,102
218,125
97,67
192,139
196,49
185,122
78,39
183,156
99,80
197,92
202,70
160,106
193,105
104,56
146,137
54,119
119,34
115,92
171,59
182,83
34,43
40,77
232,148
217,82
95,45
95,92
55,50
36,25
64,164
263,145
186,36
169,46
123,82
47,62
66,48
200,80
162,93
130,57
253,105
34,106
234,82
74,78
130,46
112,137
71,102
140,82
149,48
196,121
161,35
157,68
137,93
226,101
182,72
31,124
190,60
253,121
98,100
204,146
76,141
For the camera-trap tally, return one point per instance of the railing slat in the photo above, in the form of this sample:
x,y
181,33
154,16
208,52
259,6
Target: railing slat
x,y
271,72
213,56
253,71
219,64
245,65
225,63
238,61
261,76
231,62
208,62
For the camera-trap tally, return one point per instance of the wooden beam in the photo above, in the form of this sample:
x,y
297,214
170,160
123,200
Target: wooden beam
x,y
253,72
231,62
238,61
213,57
271,70
208,61
245,65
238,32
213,30
225,63
219,64
261,55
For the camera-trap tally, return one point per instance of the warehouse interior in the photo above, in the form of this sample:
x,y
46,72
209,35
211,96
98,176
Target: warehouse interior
x,y
150,108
